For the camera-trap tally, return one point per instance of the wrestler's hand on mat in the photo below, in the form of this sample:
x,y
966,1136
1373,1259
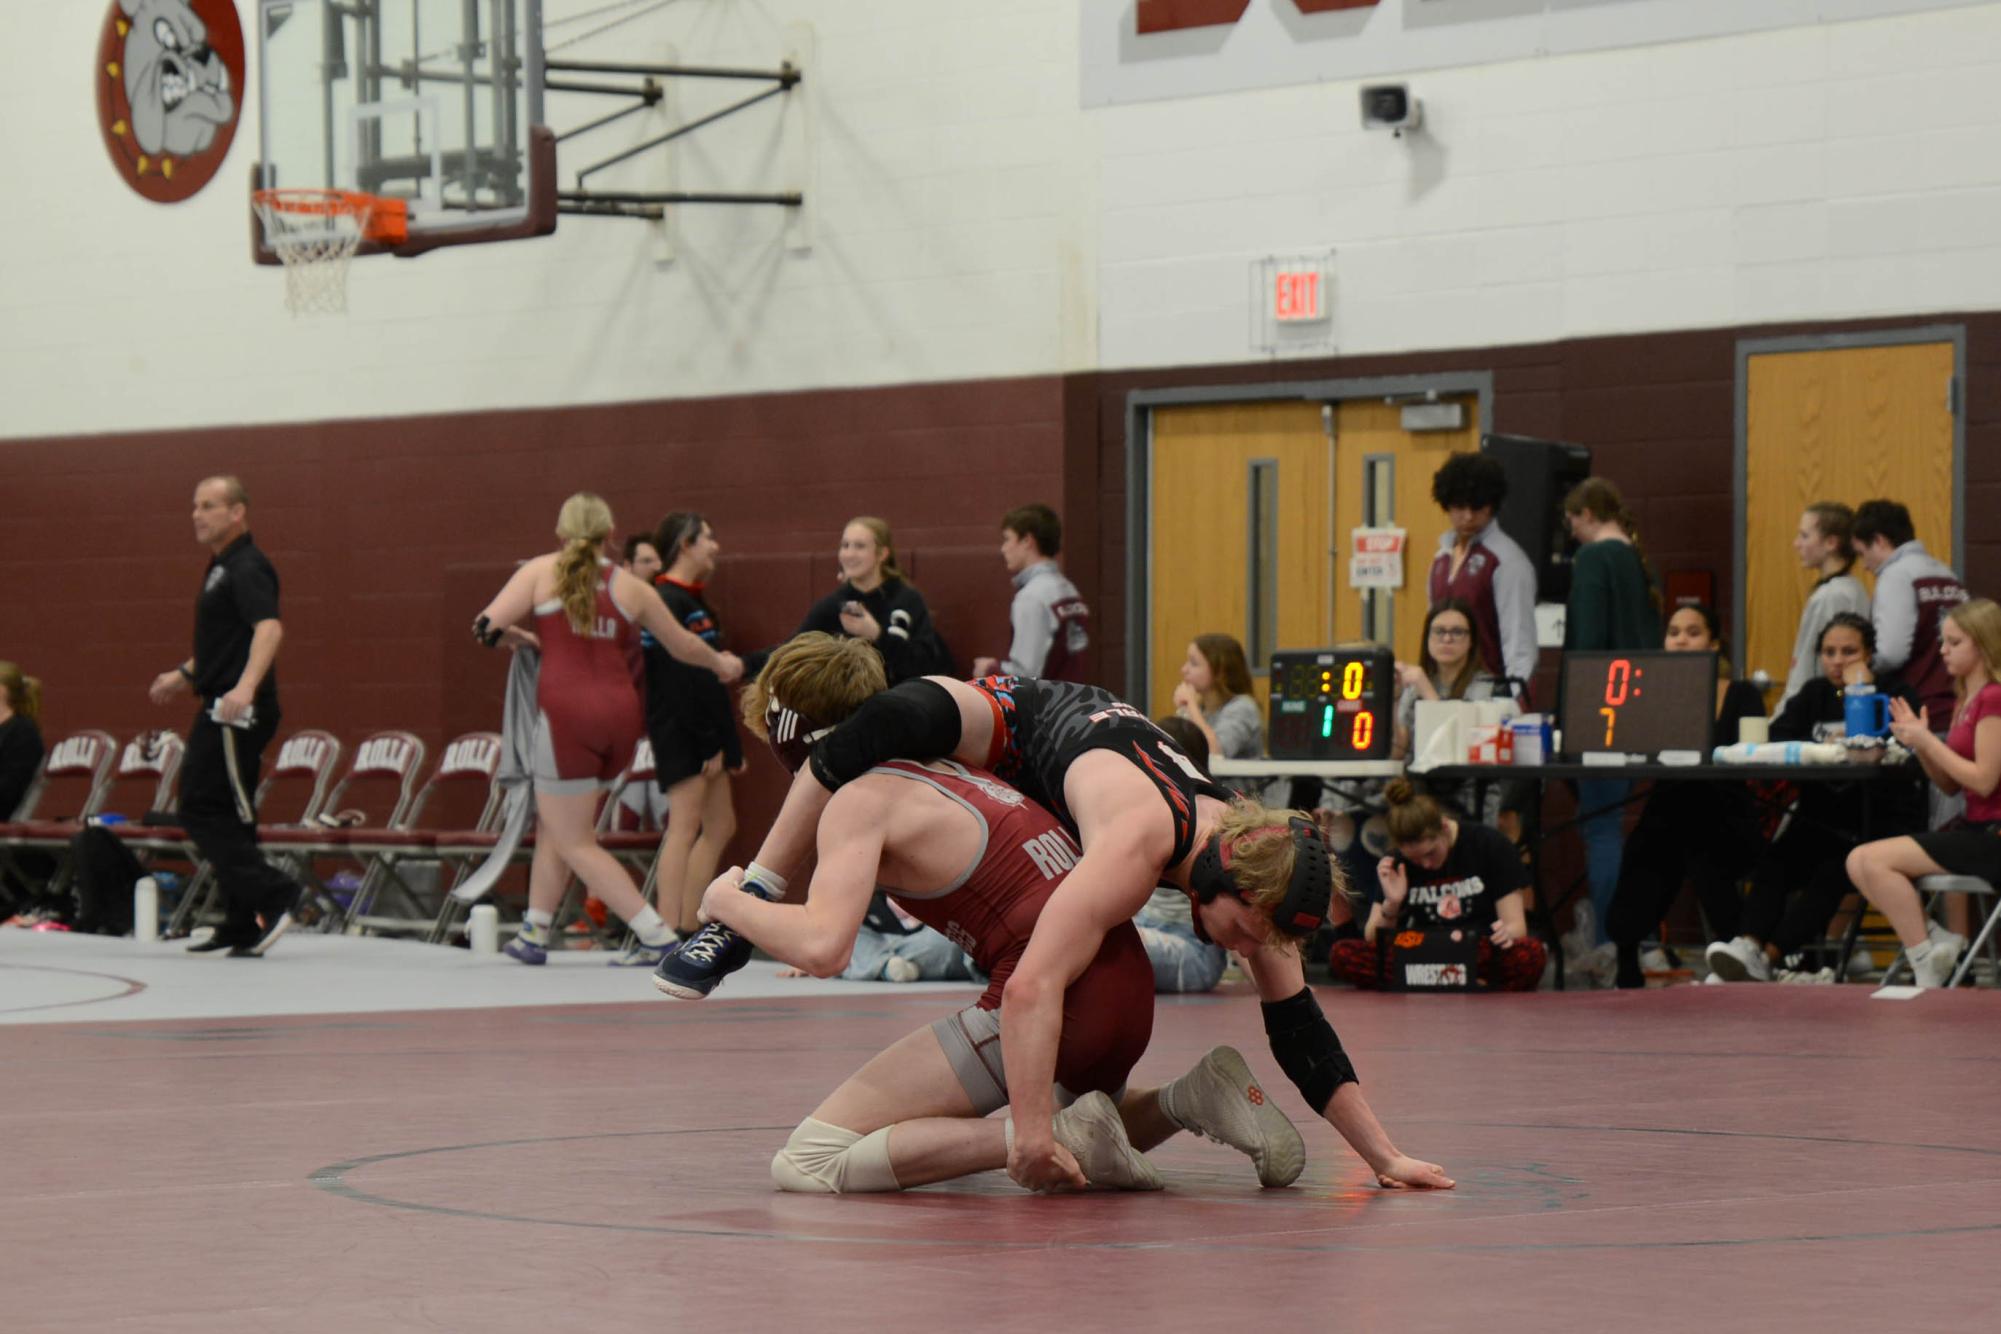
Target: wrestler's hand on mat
x,y
1406,1173
1044,1167
729,882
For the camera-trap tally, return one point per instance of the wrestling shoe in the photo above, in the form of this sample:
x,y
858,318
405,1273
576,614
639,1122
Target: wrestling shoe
x,y
639,954
1220,1100
691,970
1096,1136
219,943
530,947
1738,960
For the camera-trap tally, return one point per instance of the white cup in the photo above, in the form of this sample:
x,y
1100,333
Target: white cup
x,y
1754,731
483,929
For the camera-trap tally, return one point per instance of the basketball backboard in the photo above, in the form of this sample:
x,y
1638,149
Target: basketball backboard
x,y
434,102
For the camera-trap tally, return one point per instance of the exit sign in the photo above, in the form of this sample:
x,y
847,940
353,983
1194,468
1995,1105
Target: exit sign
x,y
1298,296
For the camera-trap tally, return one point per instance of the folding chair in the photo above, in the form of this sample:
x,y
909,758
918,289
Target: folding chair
x,y
78,768
1931,887
469,759
384,761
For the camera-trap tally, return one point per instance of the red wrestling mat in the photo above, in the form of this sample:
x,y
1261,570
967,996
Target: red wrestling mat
x,y
1738,1157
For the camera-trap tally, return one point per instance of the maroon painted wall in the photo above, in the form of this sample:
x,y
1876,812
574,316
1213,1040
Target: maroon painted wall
x,y
388,535
1657,410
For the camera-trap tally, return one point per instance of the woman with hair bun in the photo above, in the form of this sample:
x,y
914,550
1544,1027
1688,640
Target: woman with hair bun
x,y
1446,874
587,614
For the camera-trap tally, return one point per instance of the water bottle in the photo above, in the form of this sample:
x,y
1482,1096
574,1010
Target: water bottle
x,y
484,929
146,910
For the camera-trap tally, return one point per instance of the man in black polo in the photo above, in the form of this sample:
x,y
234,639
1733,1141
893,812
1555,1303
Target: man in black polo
x,y
232,674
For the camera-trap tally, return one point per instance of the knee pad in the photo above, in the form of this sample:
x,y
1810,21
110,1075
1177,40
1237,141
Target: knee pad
x,y
821,1159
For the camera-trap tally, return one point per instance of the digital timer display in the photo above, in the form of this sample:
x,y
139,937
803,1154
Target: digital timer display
x,y
1332,704
1638,703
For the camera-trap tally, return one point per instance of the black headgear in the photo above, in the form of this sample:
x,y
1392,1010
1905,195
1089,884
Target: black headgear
x,y
791,735
1307,896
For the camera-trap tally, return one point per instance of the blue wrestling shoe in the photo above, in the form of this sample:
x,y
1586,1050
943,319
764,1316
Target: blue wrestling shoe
x,y
691,970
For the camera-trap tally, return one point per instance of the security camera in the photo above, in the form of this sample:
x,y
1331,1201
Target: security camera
x,y
1389,106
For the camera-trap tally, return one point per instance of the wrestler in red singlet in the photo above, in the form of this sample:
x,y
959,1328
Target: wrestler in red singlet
x,y
587,697
990,913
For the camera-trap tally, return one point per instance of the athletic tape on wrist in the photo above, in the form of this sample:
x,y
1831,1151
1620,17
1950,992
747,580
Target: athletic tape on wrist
x,y
764,882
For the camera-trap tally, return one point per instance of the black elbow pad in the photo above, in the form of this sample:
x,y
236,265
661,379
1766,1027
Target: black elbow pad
x,y
1306,1048
916,720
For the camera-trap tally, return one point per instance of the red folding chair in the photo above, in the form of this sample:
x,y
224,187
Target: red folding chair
x,y
472,759
381,776
77,770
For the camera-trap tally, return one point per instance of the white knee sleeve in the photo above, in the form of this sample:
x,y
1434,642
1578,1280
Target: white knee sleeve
x,y
821,1159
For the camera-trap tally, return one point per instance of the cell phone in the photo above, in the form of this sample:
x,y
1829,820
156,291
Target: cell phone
x,y
853,608
245,723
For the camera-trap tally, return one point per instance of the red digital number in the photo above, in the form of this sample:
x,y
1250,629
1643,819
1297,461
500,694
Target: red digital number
x,y
1363,732
1618,680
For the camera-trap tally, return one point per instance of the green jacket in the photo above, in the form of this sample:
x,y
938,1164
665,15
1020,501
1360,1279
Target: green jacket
x,y
1611,599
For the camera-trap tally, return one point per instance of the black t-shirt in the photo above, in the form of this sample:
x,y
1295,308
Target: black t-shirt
x,y
21,752
1482,867
681,696
239,590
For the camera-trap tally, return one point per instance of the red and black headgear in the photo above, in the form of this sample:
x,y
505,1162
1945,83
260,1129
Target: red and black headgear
x,y
1307,895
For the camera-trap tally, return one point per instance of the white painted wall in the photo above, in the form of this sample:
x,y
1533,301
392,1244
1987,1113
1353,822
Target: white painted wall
x,y
950,187
971,220
1819,172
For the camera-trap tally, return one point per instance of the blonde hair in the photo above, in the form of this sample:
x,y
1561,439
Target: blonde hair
x,y
825,677
583,524
24,693
1413,815
1259,838
879,530
1980,618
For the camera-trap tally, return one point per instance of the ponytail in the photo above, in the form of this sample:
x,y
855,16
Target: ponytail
x,y
584,525
24,693
1413,815
1602,500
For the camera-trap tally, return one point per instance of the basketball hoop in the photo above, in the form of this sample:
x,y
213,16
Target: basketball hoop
x,y
316,232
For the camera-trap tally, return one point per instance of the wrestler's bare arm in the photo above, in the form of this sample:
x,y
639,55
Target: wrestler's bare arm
x,y
818,935
784,848
681,642
1125,847
516,597
1279,976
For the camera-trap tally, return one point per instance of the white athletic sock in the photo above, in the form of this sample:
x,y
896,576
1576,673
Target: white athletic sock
x,y
651,927
536,924
1919,953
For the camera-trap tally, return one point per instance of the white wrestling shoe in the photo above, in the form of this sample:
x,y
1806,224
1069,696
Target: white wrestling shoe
x,y
1220,1100
1095,1135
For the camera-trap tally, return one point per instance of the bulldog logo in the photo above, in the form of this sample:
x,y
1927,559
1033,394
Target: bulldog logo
x,y
169,92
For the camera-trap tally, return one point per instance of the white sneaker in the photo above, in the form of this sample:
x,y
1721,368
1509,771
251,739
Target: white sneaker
x,y
1739,960
1596,969
1220,1100
1935,969
1655,960
1860,965
1800,977
1091,1129
1948,943
900,969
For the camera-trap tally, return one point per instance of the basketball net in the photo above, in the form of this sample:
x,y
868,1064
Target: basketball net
x,y
315,233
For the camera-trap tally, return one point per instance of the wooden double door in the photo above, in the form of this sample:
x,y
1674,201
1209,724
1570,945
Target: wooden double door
x,y
1249,518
